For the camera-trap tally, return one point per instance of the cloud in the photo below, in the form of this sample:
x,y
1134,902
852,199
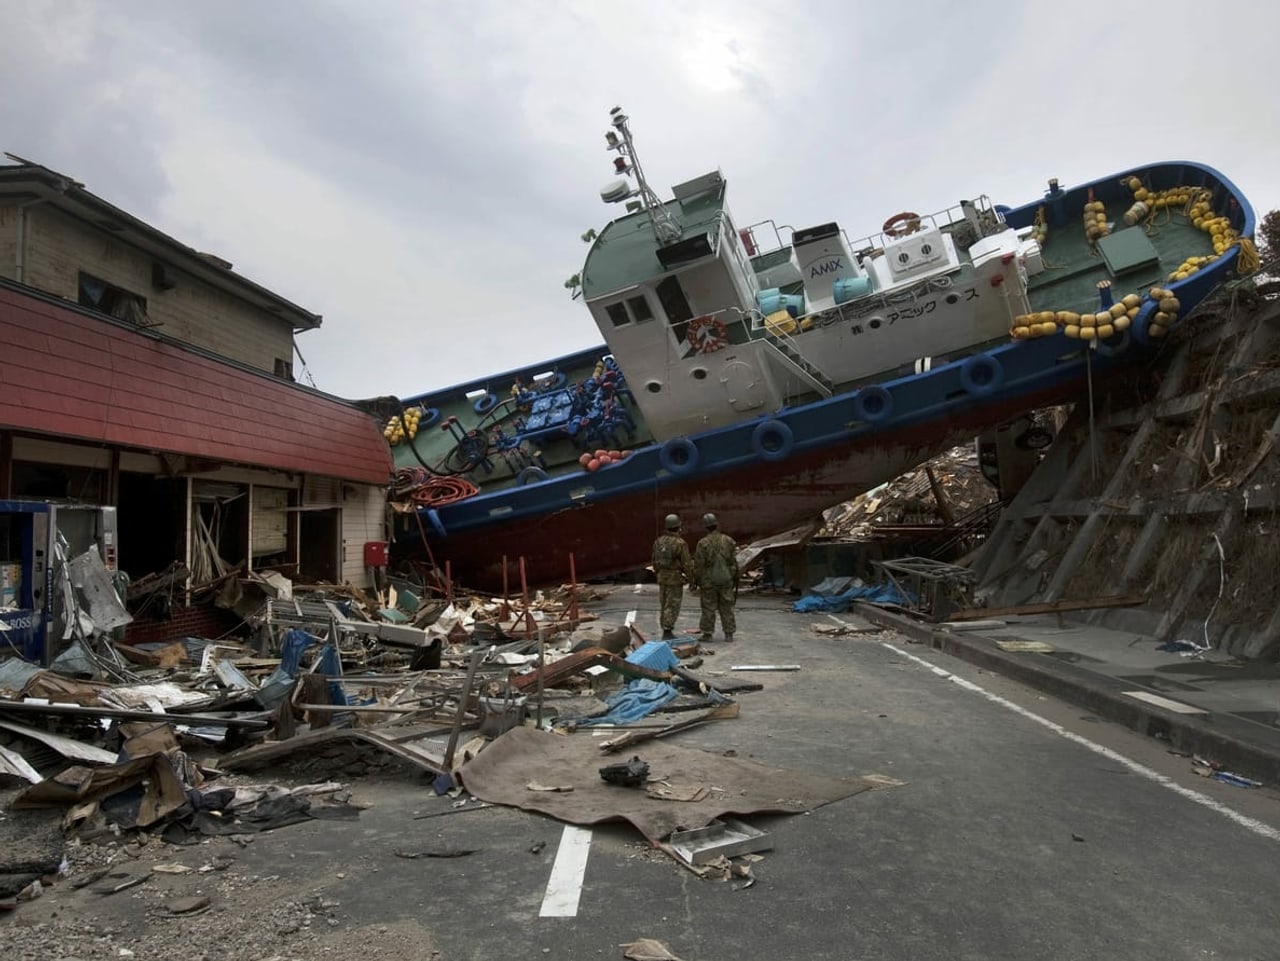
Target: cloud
x,y
420,173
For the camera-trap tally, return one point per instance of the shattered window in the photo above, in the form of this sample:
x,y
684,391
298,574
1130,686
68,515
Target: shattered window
x,y
112,300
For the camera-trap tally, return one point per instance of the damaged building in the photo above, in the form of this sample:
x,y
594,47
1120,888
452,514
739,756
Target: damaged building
x,y
154,384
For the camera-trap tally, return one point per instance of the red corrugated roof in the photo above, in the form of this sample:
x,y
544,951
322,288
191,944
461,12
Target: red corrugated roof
x,y
66,372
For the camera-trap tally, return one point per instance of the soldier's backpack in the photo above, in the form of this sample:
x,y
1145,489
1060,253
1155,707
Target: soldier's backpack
x,y
664,555
718,573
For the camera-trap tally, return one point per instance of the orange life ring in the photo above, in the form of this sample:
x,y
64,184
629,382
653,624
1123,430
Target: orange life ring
x,y
708,334
900,225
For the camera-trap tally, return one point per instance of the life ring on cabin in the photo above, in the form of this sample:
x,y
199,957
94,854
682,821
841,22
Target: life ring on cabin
x,y
900,225
772,440
872,404
429,417
1115,345
679,455
708,334
437,524
981,374
486,403
531,475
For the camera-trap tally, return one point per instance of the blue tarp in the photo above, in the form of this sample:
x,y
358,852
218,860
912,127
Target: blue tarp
x,y
640,698
839,603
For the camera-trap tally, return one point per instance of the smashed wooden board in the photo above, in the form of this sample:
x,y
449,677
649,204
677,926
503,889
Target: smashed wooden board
x,y
579,661
843,630
171,655
1017,646
413,743
14,764
630,738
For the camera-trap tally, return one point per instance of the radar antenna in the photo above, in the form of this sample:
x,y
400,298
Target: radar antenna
x,y
627,163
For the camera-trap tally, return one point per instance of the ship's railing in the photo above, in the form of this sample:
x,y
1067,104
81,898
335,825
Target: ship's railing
x,y
942,219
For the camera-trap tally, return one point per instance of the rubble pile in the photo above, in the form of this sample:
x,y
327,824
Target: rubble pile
x,y
533,703
910,499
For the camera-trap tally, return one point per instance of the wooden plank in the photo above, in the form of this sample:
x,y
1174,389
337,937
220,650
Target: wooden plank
x,y
1055,607
719,712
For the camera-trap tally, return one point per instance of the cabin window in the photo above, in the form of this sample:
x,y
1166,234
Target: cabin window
x,y
633,310
639,308
112,300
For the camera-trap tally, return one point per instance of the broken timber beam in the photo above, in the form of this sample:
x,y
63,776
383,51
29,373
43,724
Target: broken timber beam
x,y
579,661
1053,607
719,712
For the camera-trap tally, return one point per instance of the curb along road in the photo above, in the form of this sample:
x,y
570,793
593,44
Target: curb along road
x,y
1235,744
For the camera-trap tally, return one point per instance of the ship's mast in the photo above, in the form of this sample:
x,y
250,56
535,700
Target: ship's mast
x,y
627,163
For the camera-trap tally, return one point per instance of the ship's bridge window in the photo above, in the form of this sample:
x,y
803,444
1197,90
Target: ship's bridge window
x,y
633,310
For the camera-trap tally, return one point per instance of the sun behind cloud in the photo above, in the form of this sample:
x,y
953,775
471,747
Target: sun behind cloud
x,y
716,60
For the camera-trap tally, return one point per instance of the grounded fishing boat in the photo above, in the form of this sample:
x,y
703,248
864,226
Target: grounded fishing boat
x,y
767,378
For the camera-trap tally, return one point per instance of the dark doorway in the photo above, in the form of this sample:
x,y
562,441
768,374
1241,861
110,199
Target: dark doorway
x,y
320,546
151,515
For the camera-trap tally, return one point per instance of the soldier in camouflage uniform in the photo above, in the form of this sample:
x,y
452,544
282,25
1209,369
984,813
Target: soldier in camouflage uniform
x,y
715,573
673,565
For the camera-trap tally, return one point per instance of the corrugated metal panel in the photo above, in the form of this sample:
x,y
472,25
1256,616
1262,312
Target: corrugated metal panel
x,y
70,373
270,522
364,514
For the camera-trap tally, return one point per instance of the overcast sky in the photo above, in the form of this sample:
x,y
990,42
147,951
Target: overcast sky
x,y
420,172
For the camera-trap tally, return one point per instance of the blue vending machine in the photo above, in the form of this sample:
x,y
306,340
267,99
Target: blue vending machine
x,y
36,539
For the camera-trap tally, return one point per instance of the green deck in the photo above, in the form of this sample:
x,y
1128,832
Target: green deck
x,y
1073,268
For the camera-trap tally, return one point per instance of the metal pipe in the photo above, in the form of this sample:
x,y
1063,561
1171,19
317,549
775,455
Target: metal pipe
x,y
20,253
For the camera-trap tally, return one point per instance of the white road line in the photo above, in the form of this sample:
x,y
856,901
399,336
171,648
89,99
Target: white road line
x,y
564,887
1251,824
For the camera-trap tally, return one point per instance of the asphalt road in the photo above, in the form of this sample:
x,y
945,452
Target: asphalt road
x,y
1023,830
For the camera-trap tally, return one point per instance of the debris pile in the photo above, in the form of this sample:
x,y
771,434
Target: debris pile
x,y
939,492
534,704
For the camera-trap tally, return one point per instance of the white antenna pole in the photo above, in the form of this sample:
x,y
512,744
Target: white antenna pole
x,y
665,228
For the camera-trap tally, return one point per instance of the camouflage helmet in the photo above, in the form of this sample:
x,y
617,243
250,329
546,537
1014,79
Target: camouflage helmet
x,y
673,522
709,521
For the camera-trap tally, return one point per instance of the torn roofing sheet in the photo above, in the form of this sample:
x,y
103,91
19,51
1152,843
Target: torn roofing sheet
x,y
501,773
